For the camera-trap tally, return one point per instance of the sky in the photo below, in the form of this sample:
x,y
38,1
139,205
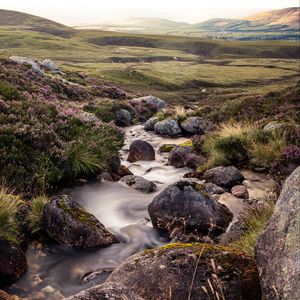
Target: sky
x,y
73,12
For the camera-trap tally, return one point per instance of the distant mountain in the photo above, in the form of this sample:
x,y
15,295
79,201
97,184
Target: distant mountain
x,y
9,18
282,19
289,17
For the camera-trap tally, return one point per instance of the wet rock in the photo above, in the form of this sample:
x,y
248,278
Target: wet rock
x,y
50,65
240,191
141,150
181,157
213,189
27,61
186,204
139,183
113,291
13,262
149,125
123,118
123,171
196,125
177,270
225,177
107,177
70,224
277,249
167,127
152,101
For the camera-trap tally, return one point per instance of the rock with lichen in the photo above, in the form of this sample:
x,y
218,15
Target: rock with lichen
x,y
277,249
186,204
182,271
70,224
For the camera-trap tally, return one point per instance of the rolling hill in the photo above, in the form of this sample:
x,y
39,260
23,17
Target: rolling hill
x,y
14,19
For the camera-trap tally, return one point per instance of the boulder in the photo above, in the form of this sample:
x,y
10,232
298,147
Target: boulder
x,y
277,249
50,65
139,183
213,189
196,125
182,156
240,191
183,271
123,118
152,101
70,224
225,177
141,150
13,262
186,204
27,61
167,127
149,125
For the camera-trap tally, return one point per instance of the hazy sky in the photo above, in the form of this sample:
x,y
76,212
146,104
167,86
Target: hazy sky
x,y
91,11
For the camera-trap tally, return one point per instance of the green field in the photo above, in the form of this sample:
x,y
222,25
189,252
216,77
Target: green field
x,y
175,68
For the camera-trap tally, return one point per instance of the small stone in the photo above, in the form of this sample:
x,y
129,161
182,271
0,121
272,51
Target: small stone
x,y
240,191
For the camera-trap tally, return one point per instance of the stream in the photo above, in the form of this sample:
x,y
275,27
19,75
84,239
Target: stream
x,y
56,271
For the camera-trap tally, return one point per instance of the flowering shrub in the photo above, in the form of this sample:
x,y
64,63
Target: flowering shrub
x,y
291,153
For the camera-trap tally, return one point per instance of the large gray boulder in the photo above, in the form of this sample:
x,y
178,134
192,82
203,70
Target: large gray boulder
x,y
50,65
13,262
183,156
123,118
28,61
139,183
196,125
156,103
149,125
277,249
225,177
167,127
70,224
141,150
182,271
186,204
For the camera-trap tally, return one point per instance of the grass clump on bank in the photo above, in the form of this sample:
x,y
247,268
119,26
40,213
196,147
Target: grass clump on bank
x,y
253,221
243,143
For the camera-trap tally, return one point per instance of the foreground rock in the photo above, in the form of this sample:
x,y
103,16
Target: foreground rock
x,y
182,156
139,183
13,262
179,270
70,224
240,191
225,177
123,118
277,249
196,125
50,65
167,127
141,150
20,60
186,204
154,102
149,125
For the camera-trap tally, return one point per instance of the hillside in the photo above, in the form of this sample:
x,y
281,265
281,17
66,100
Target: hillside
x,y
9,18
289,17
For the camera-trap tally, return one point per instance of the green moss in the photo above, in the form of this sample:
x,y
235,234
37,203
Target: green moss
x,y
186,144
167,148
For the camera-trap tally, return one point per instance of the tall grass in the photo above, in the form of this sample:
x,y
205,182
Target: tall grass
x,y
8,208
36,213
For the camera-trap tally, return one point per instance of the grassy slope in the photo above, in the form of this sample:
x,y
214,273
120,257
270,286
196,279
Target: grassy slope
x,y
167,66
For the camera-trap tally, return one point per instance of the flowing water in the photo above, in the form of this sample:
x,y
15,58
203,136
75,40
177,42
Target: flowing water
x,y
56,271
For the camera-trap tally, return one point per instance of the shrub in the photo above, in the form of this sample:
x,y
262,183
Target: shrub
x,y
253,221
180,114
8,208
8,91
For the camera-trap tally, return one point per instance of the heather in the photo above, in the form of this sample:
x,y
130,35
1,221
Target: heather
x,y
46,138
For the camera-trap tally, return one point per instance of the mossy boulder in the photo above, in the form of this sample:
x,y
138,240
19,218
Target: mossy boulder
x,y
149,125
167,127
13,262
70,224
166,148
187,205
177,271
139,183
196,125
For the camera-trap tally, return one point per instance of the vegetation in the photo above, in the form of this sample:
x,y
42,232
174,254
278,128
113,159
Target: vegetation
x,y
37,206
253,222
